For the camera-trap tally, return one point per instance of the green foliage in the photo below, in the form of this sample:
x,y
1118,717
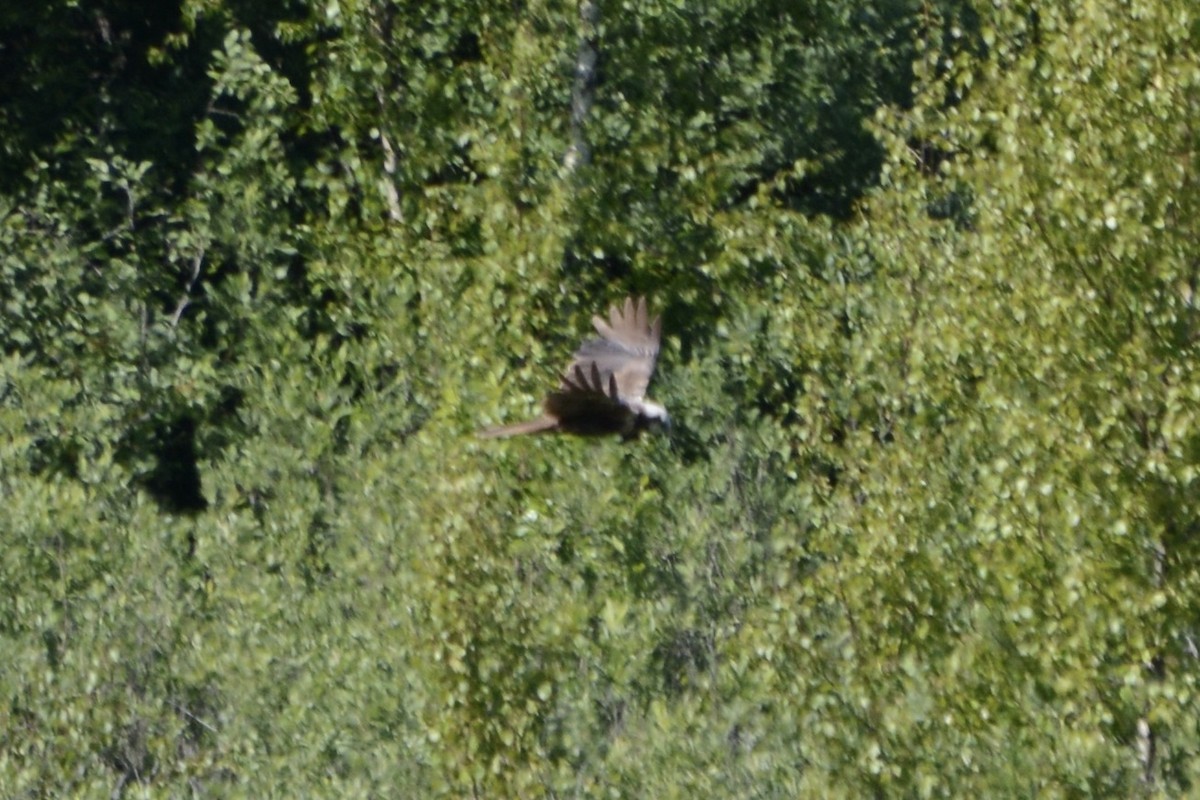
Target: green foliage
x,y
925,524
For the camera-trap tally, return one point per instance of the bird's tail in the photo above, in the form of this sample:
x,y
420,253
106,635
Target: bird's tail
x,y
539,425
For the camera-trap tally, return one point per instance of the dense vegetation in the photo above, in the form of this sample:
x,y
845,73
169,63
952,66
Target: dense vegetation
x,y
926,524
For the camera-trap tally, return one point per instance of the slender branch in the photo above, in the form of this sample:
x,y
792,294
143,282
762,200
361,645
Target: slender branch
x,y
1147,746
186,300
584,92
194,718
389,185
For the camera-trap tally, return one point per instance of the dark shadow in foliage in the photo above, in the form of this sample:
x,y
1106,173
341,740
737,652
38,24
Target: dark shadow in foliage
x,y
174,483
321,537
680,658
957,206
129,755
56,455
54,647
288,56
78,70
198,706
686,444
222,425
578,263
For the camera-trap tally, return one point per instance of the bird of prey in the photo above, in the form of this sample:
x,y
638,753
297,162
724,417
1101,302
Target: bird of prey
x,y
603,390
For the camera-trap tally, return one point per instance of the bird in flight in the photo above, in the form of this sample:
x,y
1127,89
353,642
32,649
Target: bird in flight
x,y
603,390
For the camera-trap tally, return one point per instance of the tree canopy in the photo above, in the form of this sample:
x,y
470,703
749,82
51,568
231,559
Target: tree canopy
x,y
925,524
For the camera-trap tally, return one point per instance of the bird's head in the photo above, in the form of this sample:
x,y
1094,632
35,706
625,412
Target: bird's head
x,y
655,418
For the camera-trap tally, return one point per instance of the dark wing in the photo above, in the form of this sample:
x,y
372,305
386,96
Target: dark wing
x,y
625,354
588,403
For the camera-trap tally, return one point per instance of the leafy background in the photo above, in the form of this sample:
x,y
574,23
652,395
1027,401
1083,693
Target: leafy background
x,y
926,525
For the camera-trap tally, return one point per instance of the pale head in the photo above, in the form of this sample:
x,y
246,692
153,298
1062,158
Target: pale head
x,y
654,417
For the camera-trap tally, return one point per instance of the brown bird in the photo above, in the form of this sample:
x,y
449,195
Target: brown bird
x,y
603,390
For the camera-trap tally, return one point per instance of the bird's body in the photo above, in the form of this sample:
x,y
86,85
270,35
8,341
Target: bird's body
x,y
603,390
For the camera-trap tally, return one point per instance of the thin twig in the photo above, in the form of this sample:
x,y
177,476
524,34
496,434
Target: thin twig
x,y
395,213
584,91
186,300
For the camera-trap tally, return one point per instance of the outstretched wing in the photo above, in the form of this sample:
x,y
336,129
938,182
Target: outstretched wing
x,y
622,360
